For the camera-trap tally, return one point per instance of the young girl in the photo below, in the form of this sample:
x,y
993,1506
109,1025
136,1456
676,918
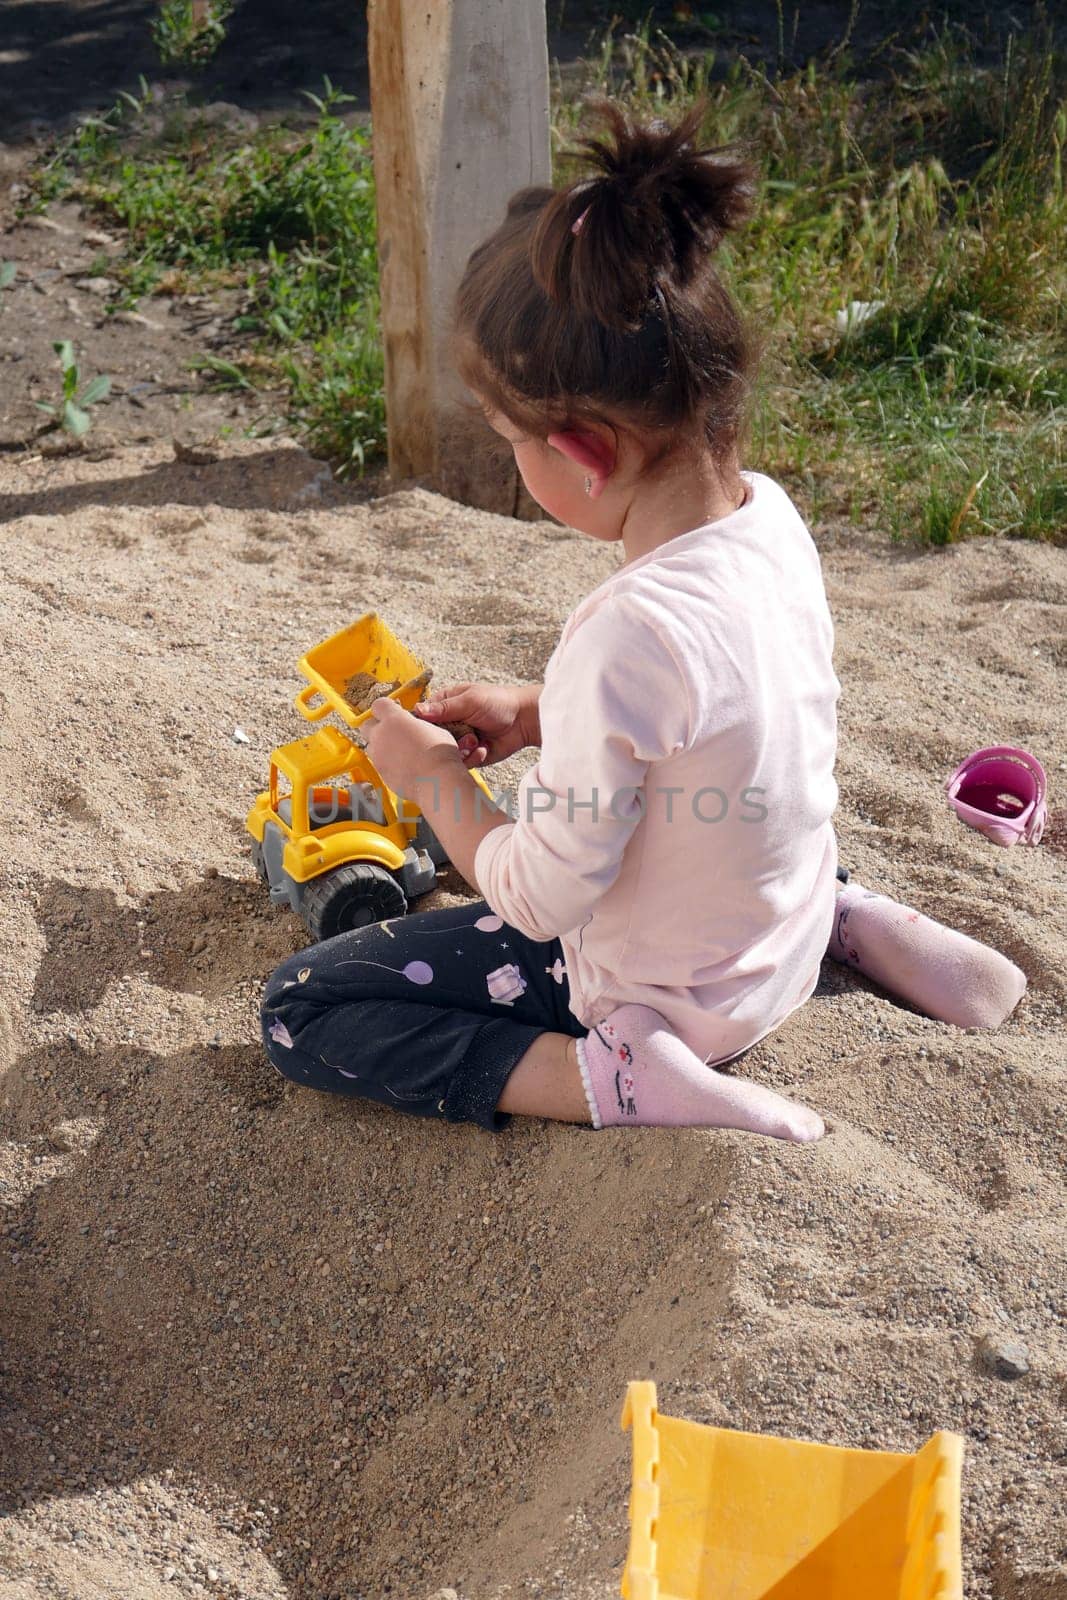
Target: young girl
x,y
663,893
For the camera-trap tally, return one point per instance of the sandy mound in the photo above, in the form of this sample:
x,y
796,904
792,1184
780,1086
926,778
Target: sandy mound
x,y
263,1344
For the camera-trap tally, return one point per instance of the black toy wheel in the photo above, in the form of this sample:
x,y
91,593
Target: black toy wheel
x,y
350,897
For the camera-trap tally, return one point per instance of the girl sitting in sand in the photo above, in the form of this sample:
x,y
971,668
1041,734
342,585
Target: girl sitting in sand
x,y
663,891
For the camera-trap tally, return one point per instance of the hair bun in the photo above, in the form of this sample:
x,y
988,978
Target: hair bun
x,y
652,213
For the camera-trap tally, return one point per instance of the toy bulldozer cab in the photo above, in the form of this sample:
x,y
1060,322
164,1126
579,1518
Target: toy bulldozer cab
x,y
329,839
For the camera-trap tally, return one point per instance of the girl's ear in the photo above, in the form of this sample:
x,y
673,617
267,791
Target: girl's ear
x,y
593,452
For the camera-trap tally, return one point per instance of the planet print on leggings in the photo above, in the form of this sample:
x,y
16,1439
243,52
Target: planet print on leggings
x,y
487,924
419,972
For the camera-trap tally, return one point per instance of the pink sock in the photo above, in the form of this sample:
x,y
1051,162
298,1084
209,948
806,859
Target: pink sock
x,y
941,972
636,1071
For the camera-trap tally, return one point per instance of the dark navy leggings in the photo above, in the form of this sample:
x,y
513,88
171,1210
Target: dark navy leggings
x,y
428,1013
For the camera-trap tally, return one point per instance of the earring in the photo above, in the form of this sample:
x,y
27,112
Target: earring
x,y
588,485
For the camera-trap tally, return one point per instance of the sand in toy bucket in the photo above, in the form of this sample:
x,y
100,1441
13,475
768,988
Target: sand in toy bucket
x,y
362,689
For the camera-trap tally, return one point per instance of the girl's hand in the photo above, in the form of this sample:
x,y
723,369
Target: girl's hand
x,y
503,716
404,749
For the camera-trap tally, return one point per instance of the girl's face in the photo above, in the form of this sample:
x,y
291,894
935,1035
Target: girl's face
x,y
557,483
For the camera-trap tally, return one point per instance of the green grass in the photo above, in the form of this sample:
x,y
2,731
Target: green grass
x,y
937,191
183,39
289,218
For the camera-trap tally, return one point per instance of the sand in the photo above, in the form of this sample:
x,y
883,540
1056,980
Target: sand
x,y
261,1344
361,690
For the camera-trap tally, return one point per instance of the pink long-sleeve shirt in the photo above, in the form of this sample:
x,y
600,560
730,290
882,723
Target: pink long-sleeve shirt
x,y
675,832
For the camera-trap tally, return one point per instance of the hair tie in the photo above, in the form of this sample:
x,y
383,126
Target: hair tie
x,y
576,226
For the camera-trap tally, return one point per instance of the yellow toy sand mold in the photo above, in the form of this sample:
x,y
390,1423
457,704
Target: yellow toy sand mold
x,y
721,1515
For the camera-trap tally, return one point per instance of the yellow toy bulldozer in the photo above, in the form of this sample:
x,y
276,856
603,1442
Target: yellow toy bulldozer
x,y
329,838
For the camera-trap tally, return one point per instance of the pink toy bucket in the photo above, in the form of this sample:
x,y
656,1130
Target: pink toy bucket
x,y
1001,792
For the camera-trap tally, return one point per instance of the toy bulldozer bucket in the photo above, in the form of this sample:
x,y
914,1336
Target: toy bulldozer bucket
x,y
721,1515
367,647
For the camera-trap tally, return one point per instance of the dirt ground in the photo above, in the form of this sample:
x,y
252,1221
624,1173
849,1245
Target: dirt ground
x,y
62,58
259,1344
263,1346
61,292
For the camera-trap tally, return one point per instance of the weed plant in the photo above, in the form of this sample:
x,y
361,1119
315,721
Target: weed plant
x,y
291,219
188,35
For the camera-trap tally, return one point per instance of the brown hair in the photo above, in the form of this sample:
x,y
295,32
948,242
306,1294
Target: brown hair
x,y
600,300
